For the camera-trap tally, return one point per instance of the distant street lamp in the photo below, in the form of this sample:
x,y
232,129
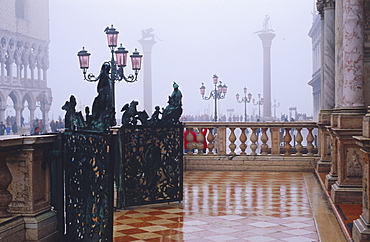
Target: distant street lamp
x,y
116,64
259,103
218,93
246,99
275,106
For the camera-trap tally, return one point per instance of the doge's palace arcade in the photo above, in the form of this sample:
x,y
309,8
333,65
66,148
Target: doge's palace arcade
x,y
24,60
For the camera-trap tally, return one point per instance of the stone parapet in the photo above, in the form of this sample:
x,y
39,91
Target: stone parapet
x,y
25,175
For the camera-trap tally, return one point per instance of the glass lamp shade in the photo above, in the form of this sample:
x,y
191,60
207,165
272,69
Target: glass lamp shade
x,y
121,56
262,100
84,58
224,89
219,88
202,89
136,60
237,96
112,36
215,79
249,96
245,90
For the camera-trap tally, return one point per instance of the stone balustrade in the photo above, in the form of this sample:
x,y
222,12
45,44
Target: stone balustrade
x,y
253,138
275,146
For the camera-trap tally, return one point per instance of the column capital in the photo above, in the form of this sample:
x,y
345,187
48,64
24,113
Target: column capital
x,y
329,3
320,4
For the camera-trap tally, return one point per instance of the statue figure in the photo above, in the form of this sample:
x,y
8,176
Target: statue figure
x,y
103,110
155,116
131,115
173,111
266,22
73,119
148,33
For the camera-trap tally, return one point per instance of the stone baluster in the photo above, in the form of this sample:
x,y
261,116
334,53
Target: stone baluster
x,y
5,180
287,139
200,139
253,140
310,140
210,139
243,139
299,140
264,139
232,139
190,145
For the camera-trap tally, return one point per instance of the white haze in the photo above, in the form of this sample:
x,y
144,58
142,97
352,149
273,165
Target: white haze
x,y
199,38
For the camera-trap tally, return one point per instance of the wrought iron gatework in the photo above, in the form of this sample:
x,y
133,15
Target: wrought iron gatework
x,y
88,181
152,164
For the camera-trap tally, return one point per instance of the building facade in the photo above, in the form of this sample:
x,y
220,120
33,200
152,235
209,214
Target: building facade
x,y
24,59
315,82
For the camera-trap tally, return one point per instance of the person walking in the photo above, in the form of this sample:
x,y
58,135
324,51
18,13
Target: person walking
x,y
14,128
2,128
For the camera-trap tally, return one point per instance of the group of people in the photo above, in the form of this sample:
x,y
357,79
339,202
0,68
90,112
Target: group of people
x,y
8,129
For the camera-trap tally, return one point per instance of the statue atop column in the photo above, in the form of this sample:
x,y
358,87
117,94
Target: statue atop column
x,y
266,28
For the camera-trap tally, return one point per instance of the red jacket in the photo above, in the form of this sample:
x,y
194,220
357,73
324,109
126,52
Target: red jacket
x,y
194,137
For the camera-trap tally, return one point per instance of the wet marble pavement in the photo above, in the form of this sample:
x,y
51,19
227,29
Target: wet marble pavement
x,y
233,206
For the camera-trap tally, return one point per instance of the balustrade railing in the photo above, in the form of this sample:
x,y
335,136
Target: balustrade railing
x,y
252,138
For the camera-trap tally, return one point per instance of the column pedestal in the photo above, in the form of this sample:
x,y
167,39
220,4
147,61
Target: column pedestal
x,y
346,124
324,164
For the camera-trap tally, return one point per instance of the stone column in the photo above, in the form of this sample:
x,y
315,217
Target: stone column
x,y
328,64
267,37
348,121
2,69
326,11
361,226
147,45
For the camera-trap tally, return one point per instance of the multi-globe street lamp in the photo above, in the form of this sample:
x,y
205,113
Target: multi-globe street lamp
x,y
116,64
218,93
259,103
246,99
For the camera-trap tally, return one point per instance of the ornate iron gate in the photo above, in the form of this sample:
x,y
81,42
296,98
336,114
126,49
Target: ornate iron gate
x,y
88,186
151,167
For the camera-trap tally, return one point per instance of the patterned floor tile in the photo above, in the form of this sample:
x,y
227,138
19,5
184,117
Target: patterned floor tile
x,y
225,206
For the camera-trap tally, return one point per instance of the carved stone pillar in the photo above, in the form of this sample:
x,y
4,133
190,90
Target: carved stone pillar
x,y
5,180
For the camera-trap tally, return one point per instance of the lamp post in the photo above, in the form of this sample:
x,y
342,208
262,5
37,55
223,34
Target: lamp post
x,y
117,63
246,99
218,93
275,106
259,103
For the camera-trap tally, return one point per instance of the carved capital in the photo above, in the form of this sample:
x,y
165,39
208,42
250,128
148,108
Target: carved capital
x,y
320,4
329,3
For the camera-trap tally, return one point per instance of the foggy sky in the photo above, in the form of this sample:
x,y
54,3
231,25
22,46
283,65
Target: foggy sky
x,y
199,38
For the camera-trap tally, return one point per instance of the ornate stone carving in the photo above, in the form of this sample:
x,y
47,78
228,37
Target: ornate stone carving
x,y
354,166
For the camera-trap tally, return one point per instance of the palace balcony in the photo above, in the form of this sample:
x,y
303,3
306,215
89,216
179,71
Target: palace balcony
x,y
27,162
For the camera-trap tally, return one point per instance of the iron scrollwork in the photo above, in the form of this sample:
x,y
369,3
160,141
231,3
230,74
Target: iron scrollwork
x,y
152,164
88,187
